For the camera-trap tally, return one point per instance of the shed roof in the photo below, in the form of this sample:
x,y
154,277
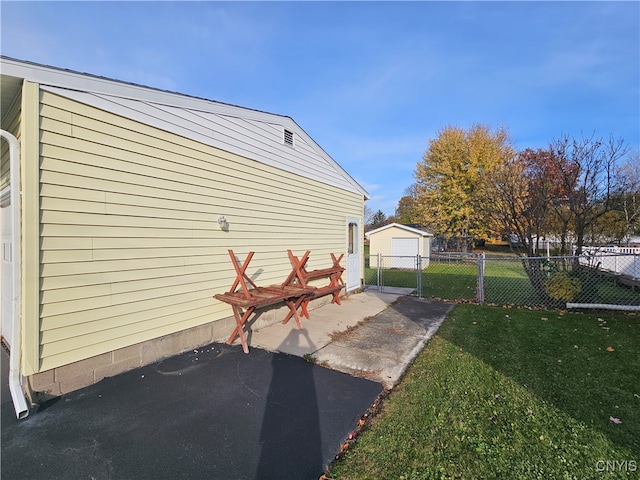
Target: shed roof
x,y
406,228
247,132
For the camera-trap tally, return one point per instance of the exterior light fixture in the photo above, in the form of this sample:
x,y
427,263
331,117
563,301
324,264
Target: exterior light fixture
x,y
224,225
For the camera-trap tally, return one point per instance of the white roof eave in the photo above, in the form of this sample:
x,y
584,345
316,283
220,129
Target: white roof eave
x,y
403,227
87,83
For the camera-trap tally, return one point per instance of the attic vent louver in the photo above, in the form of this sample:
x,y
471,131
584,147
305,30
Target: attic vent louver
x,y
288,137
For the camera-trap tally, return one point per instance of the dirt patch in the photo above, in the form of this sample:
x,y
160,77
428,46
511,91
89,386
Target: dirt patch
x,y
349,332
368,374
395,330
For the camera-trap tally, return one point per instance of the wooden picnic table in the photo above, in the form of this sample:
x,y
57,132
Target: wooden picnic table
x,y
245,296
250,296
301,276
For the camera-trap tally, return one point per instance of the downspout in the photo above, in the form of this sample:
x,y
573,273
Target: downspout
x,y
15,386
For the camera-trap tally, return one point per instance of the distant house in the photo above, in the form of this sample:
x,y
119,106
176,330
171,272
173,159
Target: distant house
x,y
130,198
402,243
633,241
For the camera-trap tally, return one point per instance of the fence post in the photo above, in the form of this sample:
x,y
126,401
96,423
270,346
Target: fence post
x,y
480,289
379,273
419,275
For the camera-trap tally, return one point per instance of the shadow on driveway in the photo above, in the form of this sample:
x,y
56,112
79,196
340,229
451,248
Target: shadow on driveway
x,y
211,413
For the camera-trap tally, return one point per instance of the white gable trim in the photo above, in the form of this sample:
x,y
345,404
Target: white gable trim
x,y
243,131
403,227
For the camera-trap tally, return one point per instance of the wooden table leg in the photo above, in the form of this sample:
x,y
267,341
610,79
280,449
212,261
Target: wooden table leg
x,y
301,303
297,270
293,312
336,297
305,307
240,321
241,276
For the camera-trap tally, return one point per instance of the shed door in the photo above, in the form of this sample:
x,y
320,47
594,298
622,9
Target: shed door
x,y
6,281
404,252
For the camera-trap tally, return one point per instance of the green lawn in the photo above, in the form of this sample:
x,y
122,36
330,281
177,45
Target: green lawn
x,y
450,281
506,283
511,393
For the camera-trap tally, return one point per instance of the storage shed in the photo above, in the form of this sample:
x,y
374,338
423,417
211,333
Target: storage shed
x,y
399,244
119,205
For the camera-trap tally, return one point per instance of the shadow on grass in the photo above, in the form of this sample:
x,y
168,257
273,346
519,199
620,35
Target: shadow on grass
x,y
586,365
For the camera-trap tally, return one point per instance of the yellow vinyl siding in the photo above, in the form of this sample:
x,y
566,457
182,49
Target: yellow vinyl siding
x,y
131,247
380,242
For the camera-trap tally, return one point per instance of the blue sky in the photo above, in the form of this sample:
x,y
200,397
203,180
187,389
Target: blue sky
x,y
371,82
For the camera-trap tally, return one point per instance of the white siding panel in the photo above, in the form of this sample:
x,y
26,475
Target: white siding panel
x,y
131,247
230,133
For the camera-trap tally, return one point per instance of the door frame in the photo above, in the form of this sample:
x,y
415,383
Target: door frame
x,y
353,254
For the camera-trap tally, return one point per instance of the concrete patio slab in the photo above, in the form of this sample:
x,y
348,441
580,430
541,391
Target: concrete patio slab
x,y
383,347
323,322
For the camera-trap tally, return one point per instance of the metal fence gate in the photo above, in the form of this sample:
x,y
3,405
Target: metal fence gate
x,y
394,274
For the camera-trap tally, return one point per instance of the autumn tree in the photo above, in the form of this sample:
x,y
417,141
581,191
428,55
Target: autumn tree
x,y
569,189
627,201
408,209
518,196
587,170
452,175
623,219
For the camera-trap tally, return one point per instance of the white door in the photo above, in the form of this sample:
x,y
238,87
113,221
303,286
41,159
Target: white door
x,y
404,252
6,264
353,254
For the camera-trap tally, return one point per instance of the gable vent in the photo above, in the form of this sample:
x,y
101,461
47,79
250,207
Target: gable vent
x,y
288,137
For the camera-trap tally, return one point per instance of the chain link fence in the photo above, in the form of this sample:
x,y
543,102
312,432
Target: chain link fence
x,y
597,281
394,274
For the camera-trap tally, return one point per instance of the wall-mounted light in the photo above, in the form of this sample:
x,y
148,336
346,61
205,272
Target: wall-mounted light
x,y
224,225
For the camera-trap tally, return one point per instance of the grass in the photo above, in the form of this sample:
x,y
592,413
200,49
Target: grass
x,y
440,280
457,281
506,283
510,393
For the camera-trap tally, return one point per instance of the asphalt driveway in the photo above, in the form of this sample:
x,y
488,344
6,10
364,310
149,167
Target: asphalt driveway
x,y
211,413
217,413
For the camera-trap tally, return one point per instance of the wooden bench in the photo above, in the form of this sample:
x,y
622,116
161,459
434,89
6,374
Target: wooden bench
x,y
245,296
301,276
249,297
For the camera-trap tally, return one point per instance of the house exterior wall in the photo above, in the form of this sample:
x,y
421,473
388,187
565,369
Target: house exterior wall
x,y
426,247
247,133
380,244
130,248
10,123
